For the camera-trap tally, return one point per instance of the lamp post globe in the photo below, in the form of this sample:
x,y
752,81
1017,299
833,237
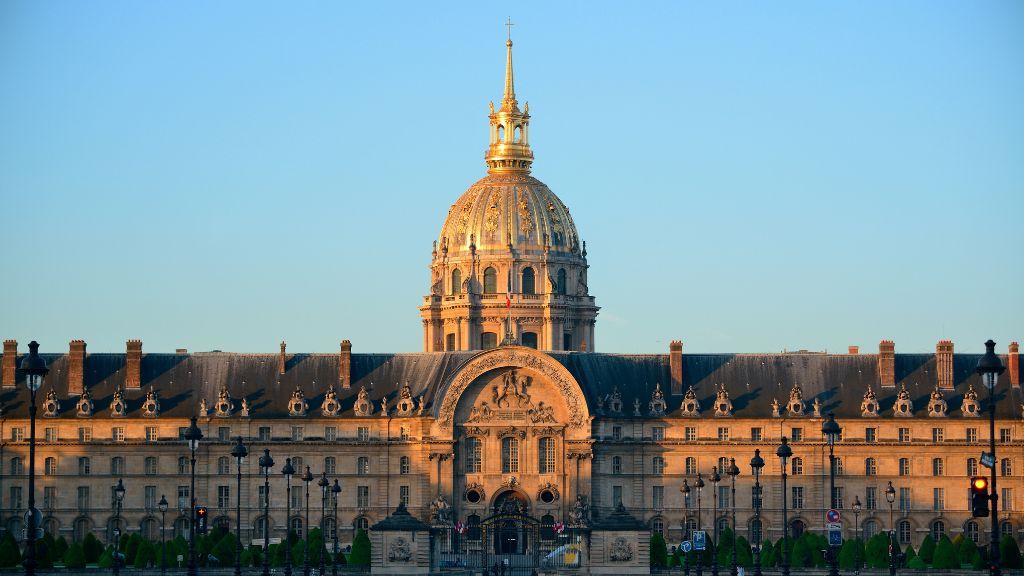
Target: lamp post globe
x,y
239,452
756,464
288,471
335,492
162,506
784,452
989,368
733,471
307,477
34,368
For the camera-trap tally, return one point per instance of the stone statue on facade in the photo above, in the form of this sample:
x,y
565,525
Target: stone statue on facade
x,y
579,515
440,511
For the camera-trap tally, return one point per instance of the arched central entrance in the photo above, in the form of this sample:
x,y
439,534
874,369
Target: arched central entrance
x,y
510,528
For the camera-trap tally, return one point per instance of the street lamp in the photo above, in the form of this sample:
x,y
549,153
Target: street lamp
x,y
325,486
118,499
239,452
685,489
307,478
856,531
335,491
756,464
266,463
193,435
34,368
288,471
830,428
162,505
699,485
989,367
715,479
784,452
733,471
890,497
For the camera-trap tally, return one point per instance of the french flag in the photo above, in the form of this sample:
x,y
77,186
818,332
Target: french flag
x,y
508,292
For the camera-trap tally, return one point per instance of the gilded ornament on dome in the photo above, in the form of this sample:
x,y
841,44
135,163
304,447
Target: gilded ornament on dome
x,y
525,218
493,213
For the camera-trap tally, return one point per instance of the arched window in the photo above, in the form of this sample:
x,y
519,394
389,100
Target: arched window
x,y
17,466
117,466
938,468
223,465
363,466
329,528
560,283
296,526
904,467
938,530
755,530
490,281
616,465
456,281
870,467
81,528
723,524
473,527
1005,528
691,465
870,529
904,531
546,455
51,527
403,465
180,527
798,466
658,465
358,524
691,527
509,455
474,455
796,528
1006,467
330,465
529,281
972,466
971,530
151,529
84,466
517,135
501,133
547,527
50,466
658,526
488,340
529,340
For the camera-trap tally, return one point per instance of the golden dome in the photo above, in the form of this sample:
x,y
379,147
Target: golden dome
x,y
506,210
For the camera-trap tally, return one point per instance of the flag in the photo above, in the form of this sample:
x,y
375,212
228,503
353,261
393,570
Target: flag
x,y
508,291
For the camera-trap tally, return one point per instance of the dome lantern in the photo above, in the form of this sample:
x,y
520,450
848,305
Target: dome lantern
x,y
509,149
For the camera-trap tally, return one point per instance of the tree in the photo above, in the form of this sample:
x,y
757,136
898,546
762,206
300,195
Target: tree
x,y
10,553
725,544
967,552
927,550
75,556
851,553
767,553
877,552
252,556
659,552
360,555
916,563
145,555
945,555
60,548
909,553
744,557
107,558
92,547
1009,553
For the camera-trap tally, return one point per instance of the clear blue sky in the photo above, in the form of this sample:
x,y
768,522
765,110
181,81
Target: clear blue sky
x,y
748,176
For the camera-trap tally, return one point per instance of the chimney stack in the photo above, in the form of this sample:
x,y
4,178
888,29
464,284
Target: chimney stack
x,y
345,364
853,350
675,366
10,365
944,364
281,359
76,368
1013,363
887,363
133,365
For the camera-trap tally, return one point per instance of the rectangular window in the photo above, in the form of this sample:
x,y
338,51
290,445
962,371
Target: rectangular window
x,y
723,434
616,465
509,455
546,449
757,496
723,497
871,435
264,434
403,495
297,433
616,432
85,434
871,498
223,496
972,435
658,433
262,496
224,433
183,503
938,434
17,434
151,465
837,498
51,435
330,433
474,455
938,499
49,497
363,497
904,435
658,497
151,434
1006,500
181,432
363,433
755,434
15,497
1004,435
150,497
796,435
83,498
296,498
616,495
298,463
330,465
403,433
691,434
798,498
905,502
117,434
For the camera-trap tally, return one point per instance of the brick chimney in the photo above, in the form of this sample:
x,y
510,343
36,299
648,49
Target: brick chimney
x,y
281,359
1012,363
76,368
853,350
887,363
133,365
10,365
944,364
675,366
345,364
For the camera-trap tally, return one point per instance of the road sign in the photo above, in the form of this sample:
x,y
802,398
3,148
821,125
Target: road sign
x,y
988,460
832,516
835,538
686,546
700,540
832,527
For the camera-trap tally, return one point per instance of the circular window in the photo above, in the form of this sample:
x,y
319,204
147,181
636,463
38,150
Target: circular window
x,y
473,496
547,496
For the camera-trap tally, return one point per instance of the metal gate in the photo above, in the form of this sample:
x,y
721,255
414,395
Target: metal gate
x,y
508,544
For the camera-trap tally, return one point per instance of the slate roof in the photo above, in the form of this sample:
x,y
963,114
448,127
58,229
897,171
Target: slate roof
x,y
838,381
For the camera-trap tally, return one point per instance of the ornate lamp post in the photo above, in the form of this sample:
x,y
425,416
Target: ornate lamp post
x,y
784,452
990,367
239,452
34,368
856,531
890,497
699,485
307,478
756,464
266,463
325,486
118,499
685,489
733,471
193,435
715,479
288,471
162,506
830,428
335,492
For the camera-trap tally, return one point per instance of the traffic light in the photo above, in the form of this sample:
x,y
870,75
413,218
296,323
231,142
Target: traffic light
x,y
201,520
979,497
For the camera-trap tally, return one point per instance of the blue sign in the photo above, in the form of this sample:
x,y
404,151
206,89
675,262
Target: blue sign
x,y
700,540
835,538
686,546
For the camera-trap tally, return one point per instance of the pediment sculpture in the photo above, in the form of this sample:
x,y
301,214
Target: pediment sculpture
x,y
795,405
615,401
118,407
971,407
903,407
937,406
400,550
203,408
723,405
51,406
298,406
405,405
224,406
869,404
85,404
776,408
690,407
151,407
511,393
657,404
330,406
363,405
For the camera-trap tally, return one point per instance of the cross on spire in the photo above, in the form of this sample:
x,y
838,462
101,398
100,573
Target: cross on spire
x,y
509,25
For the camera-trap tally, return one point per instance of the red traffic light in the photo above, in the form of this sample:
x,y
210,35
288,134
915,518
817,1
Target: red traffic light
x,y
979,483
979,497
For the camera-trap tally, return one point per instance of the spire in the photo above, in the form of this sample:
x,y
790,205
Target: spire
x,y
508,102
509,149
